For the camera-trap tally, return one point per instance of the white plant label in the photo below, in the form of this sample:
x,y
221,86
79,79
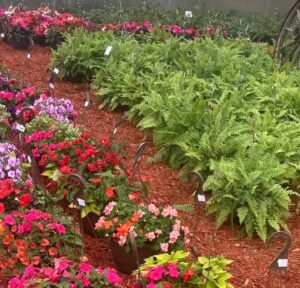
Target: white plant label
x,y
86,103
188,14
20,127
201,198
56,71
81,202
28,56
108,50
29,159
2,35
282,263
51,85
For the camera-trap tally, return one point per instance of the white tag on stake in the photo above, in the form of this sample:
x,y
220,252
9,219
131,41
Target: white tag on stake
x,y
201,198
282,263
108,50
81,202
2,35
29,159
86,103
56,71
20,127
188,14
51,85
28,56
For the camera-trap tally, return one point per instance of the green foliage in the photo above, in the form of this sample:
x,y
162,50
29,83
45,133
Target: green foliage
x,y
210,105
257,27
206,272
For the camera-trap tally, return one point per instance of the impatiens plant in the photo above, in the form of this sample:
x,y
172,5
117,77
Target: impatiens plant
x,y
66,273
14,195
175,271
46,130
157,227
13,164
60,109
36,238
100,165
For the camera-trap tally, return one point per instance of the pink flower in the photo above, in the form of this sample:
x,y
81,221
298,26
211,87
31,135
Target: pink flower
x,y
164,247
9,220
174,236
150,236
85,268
169,211
153,209
109,208
113,277
156,273
173,270
100,222
122,240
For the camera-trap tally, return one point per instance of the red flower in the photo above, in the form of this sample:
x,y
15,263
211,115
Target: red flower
x,y
109,192
188,274
25,200
105,142
2,208
65,170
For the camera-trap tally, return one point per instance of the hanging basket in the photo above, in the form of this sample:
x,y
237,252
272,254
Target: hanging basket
x,y
127,262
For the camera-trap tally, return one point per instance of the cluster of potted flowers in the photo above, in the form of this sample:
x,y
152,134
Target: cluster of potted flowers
x,y
45,27
40,247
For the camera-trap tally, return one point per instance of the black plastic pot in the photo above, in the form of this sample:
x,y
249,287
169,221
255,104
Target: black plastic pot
x,y
126,262
40,40
20,44
89,222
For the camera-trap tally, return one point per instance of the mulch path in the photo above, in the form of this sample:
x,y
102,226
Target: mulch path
x,y
251,256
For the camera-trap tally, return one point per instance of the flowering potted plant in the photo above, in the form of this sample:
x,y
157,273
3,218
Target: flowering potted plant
x,y
66,273
14,195
100,166
155,230
13,163
175,271
36,238
60,109
4,121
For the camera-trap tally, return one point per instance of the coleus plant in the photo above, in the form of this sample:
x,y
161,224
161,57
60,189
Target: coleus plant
x,y
175,271
36,238
66,273
158,227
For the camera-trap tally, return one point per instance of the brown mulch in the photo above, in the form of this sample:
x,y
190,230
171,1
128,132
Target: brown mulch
x,y
251,256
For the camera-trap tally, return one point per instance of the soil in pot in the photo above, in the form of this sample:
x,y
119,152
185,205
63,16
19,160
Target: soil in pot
x,y
126,262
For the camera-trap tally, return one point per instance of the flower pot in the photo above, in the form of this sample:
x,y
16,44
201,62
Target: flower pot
x,y
126,262
89,222
20,44
40,40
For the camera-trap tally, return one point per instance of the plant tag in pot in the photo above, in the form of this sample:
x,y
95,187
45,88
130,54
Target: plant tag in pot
x,y
201,198
20,127
56,71
81,202
282,263
188,14
108,50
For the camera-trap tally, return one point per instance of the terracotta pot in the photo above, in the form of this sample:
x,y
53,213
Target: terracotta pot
x,y
20,44
126,262
89,222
